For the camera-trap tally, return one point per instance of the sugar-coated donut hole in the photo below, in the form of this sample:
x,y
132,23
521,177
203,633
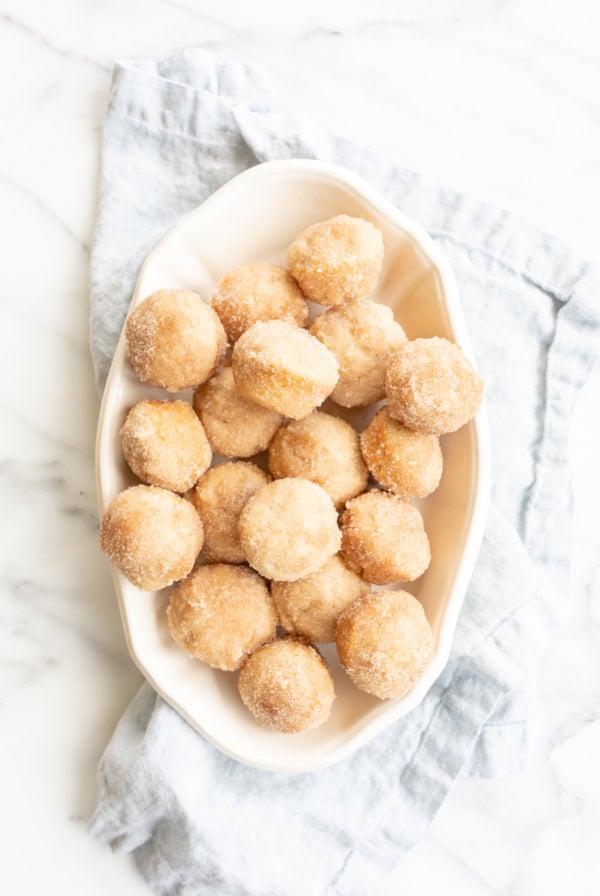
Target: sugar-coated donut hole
x,y
235,426
431,387
258,292
220,613
337,260
288,529
174,339
219,497
164,444
287,686
407,463
311,606
384,539
384,643
362,335
283,368
151,535
324,449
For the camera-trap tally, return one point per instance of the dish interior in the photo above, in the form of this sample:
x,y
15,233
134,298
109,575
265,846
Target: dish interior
x,y
254,218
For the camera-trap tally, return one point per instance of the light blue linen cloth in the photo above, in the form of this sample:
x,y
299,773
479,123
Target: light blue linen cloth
x,y
198,822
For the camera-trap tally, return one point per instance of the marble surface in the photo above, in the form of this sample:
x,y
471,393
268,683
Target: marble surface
x,y
495,97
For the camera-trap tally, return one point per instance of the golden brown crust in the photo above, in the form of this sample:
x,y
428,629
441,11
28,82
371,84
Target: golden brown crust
x,y
288,529
220,614
323,449
219,497
164,444
384,643
151,535
174,339
431,387
235,426
337,260
287,686
405,462
283,368
383,538
362,335
310,606
256,292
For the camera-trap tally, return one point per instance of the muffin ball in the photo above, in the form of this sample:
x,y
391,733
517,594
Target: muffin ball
x,y
164,444
256,292
362,335
219,497
405,462
431,387
323,449
283,368
151,535
288,529
383,539
174,339
235,426
337,260
311,606
384,643
287,686
220,614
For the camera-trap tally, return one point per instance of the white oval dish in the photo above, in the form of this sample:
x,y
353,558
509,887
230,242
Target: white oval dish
x,y
253,218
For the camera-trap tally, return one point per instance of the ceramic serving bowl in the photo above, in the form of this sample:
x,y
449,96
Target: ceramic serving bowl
x,y
254,218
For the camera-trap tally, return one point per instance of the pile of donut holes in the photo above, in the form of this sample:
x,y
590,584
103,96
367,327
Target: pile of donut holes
x,y
271,558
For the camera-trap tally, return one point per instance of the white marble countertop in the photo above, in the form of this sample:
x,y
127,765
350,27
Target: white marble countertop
x,y
494,97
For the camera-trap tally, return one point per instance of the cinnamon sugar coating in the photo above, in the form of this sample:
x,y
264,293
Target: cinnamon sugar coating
x,y
219,497
431,387
288,529
283,368
324,449
219,614
174,339
256,292
164,444
151,535
287,686
337,260
384,539
362,335
310,607
235,426
384,643
405,462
